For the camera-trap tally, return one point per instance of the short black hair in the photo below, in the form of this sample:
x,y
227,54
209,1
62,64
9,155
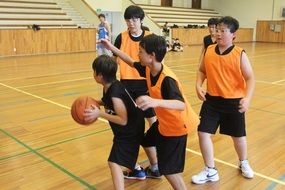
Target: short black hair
x,y
213,21
134,11
154,44
106,66
101,15
230,22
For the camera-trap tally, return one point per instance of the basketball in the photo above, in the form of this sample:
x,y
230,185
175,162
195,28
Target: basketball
x,y
78,107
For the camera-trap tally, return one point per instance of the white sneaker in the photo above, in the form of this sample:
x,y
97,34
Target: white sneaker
x,y
246,169
208,174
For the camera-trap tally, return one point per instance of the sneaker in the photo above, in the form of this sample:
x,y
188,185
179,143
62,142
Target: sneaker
x,y
152,174
135,174
245,169
208,174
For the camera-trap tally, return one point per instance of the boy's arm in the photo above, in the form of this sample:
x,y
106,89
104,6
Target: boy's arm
x,y
145,102
171,97
201,76
125,57
248,75
121,117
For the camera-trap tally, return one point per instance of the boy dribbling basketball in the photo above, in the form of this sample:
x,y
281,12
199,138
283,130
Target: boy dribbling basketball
x,y
174,114
125,119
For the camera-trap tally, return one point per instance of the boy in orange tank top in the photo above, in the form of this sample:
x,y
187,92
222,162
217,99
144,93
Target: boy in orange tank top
x,y
174,114
230,86
128,42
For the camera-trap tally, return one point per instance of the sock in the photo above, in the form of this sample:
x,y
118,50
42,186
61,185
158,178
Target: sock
x,y
154,167
211,167
137,167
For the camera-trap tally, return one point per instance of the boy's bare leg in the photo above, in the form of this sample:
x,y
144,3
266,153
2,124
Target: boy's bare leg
x,y
206,146
176,181
151,154
240,147
117,175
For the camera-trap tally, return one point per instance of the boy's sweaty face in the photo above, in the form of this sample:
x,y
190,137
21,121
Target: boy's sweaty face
x,y
134,25
224,37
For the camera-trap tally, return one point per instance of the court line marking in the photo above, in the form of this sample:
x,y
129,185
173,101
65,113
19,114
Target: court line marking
x,y
278,81
35,96
42,76
234,166
41,98
49,161
56,82
54,144
273,185
187,149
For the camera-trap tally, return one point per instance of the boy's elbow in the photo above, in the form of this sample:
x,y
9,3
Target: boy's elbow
x,y
123,122
181,106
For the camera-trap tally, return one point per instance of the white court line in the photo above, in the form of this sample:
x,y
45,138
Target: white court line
x,y
41,98
56,82
41,76
234,166
185,71
276,82
187,149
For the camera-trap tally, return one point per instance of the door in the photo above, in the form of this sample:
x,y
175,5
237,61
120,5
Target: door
x,y
166,3
196,4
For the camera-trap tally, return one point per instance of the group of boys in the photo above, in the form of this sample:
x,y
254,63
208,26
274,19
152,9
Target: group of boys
x,y
149,89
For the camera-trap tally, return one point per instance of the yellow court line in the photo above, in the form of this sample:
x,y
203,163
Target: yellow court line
x,y
234,166
187,149
43,99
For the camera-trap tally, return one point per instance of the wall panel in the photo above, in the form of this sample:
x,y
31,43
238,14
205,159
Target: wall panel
x,y
44,41
188,36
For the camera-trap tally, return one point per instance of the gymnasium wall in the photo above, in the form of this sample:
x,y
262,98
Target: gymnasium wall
x,y
189,36
249,12
176,3
83,8
109,5
45,41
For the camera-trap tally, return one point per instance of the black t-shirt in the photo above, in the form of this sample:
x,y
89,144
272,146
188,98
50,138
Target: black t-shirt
x,y
208,41
169,88
134,129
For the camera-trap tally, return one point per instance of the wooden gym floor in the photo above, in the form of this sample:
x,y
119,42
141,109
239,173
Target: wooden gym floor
x,y
41,147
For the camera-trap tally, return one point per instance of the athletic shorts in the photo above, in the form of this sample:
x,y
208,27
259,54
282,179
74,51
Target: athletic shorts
x,y
137,88
170,150
217,112
124,154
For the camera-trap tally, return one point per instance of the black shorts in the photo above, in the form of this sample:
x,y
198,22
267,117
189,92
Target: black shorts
x,y
137,88
124,154
217,111
170,150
